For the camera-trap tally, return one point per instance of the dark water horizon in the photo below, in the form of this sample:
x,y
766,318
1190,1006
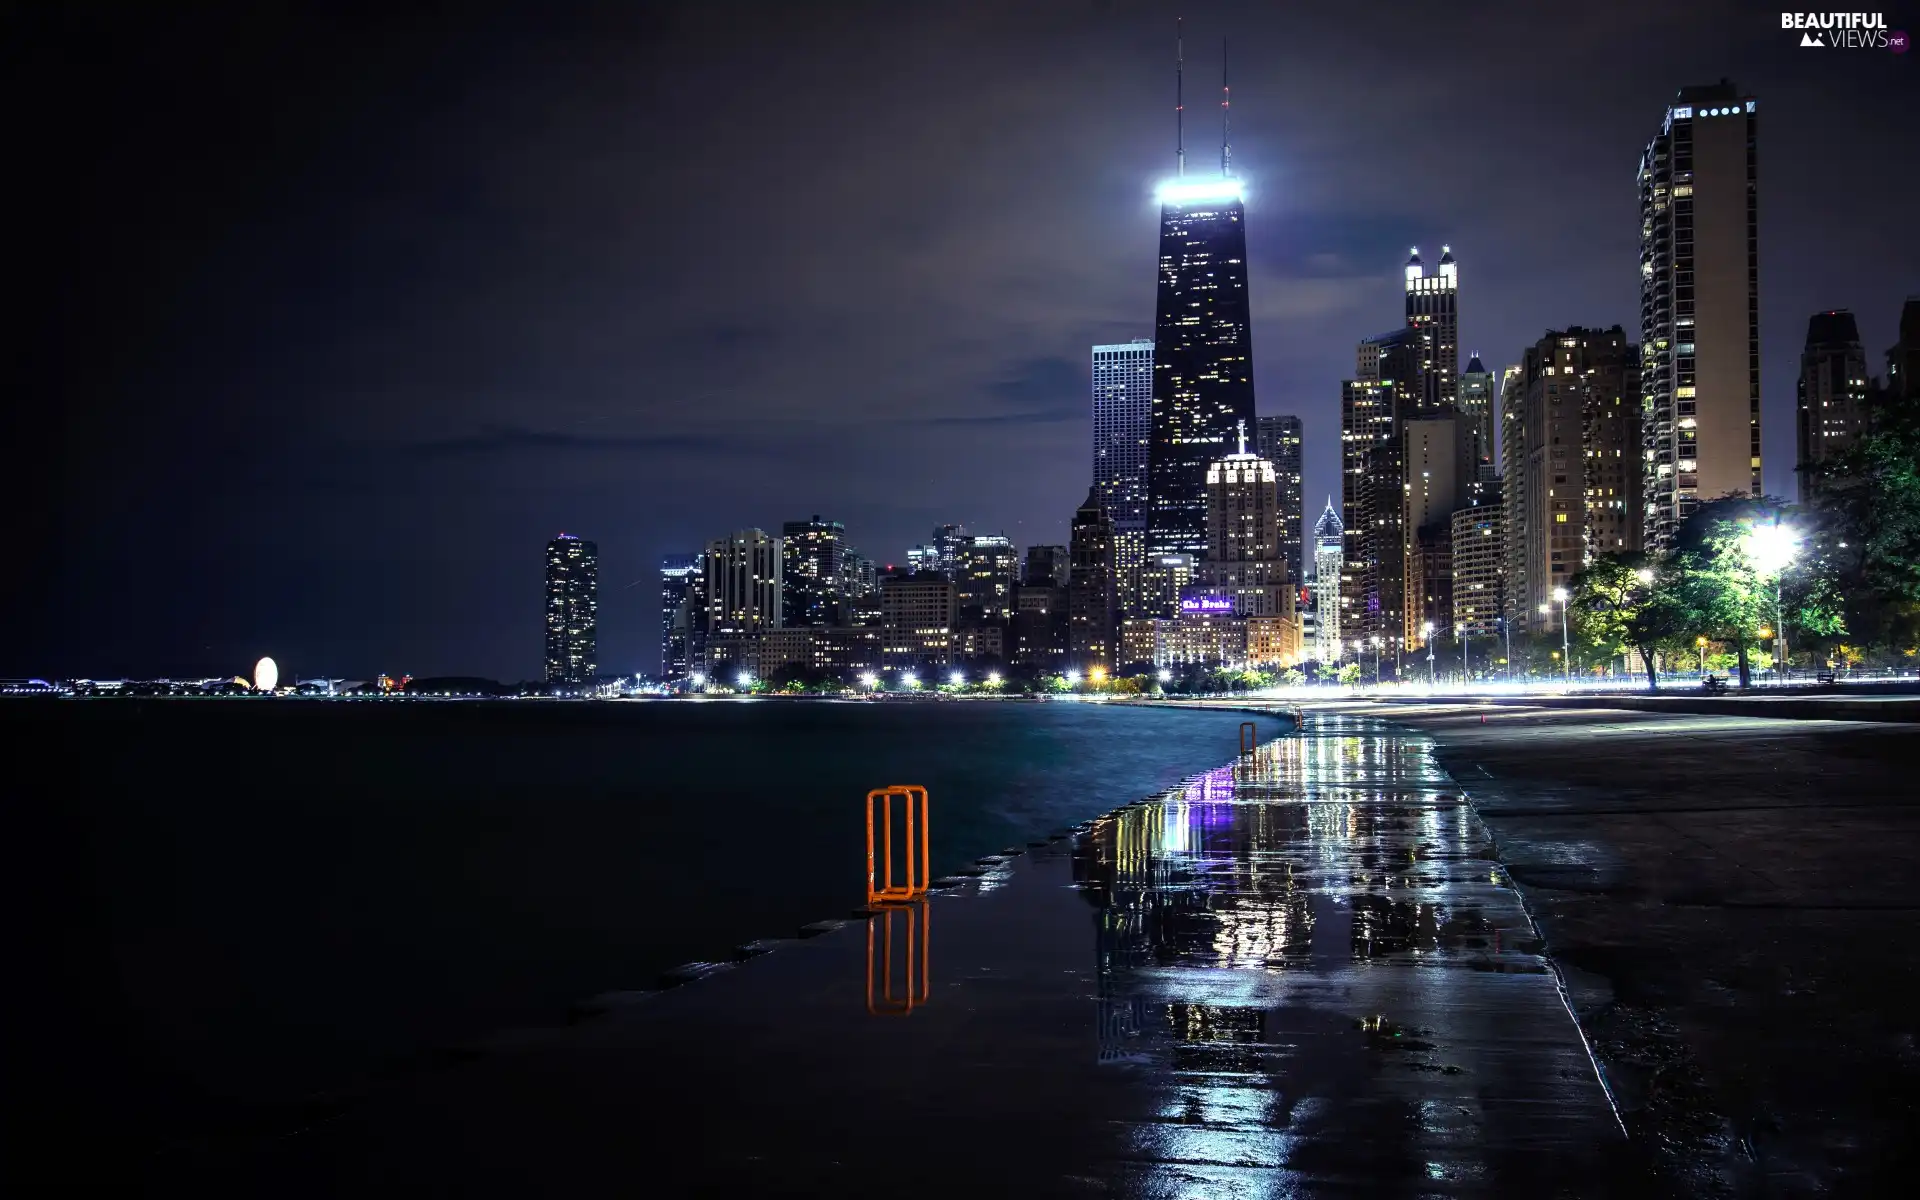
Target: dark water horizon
x,y
231,907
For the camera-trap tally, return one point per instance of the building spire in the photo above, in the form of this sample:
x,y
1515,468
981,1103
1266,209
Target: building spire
x,y
1179,96
1242,427
1226,104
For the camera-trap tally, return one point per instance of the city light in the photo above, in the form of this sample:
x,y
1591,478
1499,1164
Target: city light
x,y
1770,548
909,680
1073,677
869,680
1097,675
697,679
1644,575
746,679
993,679
1166,676
1199,191
1559,595
266,675
957,678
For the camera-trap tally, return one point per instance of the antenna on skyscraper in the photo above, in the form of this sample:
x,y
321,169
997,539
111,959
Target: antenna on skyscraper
x,y
1179,95
1226,103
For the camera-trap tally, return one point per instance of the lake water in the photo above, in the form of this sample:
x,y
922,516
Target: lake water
x,y
232,905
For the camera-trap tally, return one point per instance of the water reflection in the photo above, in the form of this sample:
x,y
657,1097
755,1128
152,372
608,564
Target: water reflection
x,y
899,954
1291,943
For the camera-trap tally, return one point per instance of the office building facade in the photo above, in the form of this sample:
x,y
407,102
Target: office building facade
x,y
1329,548
1699,308
811,583
986,573
1090,588
683,613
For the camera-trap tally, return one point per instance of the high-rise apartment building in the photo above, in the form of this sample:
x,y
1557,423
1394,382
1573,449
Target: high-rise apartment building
x,y
1438,469
1328,550
987,572
1202,355
811,587
1374,411
923,558
1832,394
919,614
1090,589
1513,483
1699,308
1279,442
744,584
1478,559
860,589
683,613
573,608
1578,481
1122,422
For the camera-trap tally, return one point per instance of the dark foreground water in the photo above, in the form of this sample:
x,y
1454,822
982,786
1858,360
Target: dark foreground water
x,y
222,908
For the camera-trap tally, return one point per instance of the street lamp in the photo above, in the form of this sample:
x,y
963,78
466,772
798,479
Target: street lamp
x,y
1426,632
697,679
1566,646
1376,660
1073,678
1166,676
993,679
958,678
746,679
869,680
1771,549
1701,643
909,681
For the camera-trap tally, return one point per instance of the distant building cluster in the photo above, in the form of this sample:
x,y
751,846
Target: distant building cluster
x,y
1469,499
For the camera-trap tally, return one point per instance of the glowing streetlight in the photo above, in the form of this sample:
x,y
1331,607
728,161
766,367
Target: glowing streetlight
x,y
957,678
1097,675
1771,549
1701,643
1073,678
697,679
746,679
266,675
869,680
1426,634
1166,676
1566,645
993,679
1645,576
909,680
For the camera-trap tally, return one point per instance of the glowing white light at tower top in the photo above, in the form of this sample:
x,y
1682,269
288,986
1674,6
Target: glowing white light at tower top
x,y
1200,191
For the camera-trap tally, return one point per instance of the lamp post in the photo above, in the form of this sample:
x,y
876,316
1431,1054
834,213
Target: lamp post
x,y
1466,663
1566,645
1506,627
1376,660
1426,632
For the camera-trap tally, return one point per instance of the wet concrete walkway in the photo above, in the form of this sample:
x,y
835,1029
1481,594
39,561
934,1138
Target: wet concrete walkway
x,y
1301,974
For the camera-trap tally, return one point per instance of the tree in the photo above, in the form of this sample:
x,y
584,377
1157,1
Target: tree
x,y
1631,601
1349,675
1867,510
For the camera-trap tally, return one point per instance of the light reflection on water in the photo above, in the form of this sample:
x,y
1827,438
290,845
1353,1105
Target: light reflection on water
x,y
1240,924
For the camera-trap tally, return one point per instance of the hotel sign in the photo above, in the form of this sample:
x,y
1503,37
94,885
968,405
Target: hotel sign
x,y
1207,604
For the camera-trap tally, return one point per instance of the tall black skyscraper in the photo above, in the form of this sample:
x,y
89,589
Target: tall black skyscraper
x,y
683,614
573,604
1202,343
1202,356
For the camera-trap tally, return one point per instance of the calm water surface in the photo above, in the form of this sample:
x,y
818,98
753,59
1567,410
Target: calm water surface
x,y
229,906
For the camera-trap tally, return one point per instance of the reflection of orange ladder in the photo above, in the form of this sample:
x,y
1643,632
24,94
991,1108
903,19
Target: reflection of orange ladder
x,y
914,990
880,887
1249,738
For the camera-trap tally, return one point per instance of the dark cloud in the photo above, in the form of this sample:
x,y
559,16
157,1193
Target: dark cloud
x,y
653,276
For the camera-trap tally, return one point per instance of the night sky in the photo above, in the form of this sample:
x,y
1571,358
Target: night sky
x,y
331,321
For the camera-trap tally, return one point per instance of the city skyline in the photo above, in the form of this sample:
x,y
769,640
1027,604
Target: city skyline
x,y
337,435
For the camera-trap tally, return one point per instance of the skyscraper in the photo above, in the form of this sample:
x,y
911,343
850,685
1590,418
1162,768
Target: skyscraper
x,y
744,574
1832,393
1244,556
573,606
1278,441
1374,411
948,539
1047,566
1699,308
1328,547
1122,419
1477,406
1202,355
1477,558
683,613
1578,479
1433,308
1090,591
811,587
